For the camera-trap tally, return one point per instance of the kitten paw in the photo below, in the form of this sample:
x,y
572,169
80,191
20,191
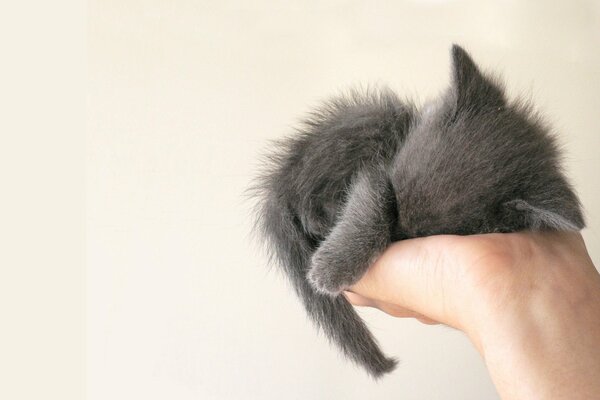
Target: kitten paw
x,y
330,275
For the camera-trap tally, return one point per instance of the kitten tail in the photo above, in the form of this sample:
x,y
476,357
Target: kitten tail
x,y
292,249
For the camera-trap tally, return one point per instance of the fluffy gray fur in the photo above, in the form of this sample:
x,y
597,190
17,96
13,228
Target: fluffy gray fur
x,y
367,169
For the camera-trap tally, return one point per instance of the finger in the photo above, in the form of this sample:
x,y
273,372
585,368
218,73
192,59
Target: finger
x,y
388,308
396,310
358,300
419,275
427,321
401,312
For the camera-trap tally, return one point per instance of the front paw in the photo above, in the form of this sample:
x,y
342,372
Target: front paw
x,y
329,274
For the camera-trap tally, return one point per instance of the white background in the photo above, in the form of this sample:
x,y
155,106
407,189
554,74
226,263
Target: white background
x,y
183,97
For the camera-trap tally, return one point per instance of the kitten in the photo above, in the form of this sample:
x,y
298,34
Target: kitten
x,y
369,169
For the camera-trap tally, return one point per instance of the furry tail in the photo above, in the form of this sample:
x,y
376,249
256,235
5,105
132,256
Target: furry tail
x,y
291,248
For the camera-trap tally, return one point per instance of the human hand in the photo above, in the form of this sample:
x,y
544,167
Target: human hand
x,y
529,302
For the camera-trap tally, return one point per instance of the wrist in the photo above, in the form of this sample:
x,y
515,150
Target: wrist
x,y
540,347
536,321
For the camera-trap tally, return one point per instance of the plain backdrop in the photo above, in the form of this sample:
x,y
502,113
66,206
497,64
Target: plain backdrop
x,y
42,174
183,97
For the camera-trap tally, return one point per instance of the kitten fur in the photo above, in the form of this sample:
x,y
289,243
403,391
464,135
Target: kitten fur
x,y
367,169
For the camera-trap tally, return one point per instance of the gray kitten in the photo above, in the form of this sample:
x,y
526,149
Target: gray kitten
x,y
369,169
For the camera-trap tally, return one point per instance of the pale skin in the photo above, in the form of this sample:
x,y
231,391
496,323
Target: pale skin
x,y
529,303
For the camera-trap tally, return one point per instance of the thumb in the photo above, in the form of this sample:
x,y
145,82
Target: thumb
x,y
422,275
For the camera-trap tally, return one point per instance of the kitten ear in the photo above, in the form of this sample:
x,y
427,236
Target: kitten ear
x,y
470,87
538,218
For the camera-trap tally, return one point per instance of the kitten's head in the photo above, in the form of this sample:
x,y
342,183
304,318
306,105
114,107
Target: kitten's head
x,y
475,162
